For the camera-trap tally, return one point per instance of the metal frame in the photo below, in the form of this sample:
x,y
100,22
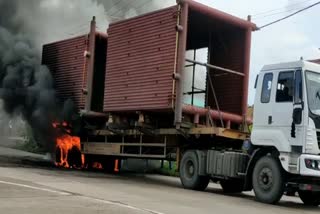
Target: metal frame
x,y
90,67
217,131
185,6
215,67
208,66
119,148
182,41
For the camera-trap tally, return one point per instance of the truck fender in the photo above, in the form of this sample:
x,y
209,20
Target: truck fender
x,y
256,155
202,159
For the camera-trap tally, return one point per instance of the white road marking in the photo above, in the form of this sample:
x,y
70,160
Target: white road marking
x,y
115,203
35,188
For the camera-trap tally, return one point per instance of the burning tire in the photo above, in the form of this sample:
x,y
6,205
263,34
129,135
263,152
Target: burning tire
x,y
68,153
95,162
108,164
74,158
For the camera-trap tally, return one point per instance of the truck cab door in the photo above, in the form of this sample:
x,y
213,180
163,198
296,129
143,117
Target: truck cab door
x,y
262,111
288,132
273,111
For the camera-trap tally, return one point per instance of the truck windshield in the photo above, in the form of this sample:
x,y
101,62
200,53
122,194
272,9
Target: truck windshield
x,y
313,90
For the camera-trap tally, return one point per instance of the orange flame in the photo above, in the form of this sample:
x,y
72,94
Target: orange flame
x,y
65,144
97,165
82,159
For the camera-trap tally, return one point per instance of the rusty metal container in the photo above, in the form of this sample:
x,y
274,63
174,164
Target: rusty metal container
x,y
146,52
68,62
141,61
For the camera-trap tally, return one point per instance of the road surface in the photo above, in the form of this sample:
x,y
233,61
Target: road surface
x,y
50,190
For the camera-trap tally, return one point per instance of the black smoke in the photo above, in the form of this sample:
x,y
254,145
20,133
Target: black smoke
x,y
26,86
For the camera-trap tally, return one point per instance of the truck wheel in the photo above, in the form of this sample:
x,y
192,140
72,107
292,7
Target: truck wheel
x,y
189,176
268,180
310,198
232,186
108,164
88,161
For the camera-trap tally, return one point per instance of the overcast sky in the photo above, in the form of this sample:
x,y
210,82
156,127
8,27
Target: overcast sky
x,y
298,36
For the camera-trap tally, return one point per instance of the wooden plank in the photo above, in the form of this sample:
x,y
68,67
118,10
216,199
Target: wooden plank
x,y
170,131
222,132
101,148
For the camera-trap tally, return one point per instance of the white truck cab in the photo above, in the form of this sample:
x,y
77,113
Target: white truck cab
x,y
287,114
282,155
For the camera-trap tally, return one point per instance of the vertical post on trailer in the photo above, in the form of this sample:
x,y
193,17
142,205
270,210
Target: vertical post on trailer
x,y
90,68
182,41
193,76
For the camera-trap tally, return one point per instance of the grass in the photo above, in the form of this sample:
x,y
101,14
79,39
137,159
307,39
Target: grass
x,y
165,170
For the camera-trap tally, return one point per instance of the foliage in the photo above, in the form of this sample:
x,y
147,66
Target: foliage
x,y
165,170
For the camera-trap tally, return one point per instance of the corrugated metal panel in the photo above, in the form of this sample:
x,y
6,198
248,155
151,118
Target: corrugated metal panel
x,y
228,87
228,43
140,62
66,61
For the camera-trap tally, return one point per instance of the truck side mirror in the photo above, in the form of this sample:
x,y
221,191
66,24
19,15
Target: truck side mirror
x,y
297,115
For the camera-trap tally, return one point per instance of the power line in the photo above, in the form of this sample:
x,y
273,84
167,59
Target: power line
x,y
114,6
279,9
166,3
125,8
286,17
143,5
278,13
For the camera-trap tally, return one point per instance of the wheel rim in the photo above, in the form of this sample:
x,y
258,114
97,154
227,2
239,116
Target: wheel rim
x,y
189,169
265,179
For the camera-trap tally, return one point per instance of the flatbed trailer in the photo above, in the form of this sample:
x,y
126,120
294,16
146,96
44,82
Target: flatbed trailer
x,y
146,93
157,124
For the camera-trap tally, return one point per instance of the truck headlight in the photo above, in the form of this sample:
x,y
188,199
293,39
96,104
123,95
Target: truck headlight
x,y
312,164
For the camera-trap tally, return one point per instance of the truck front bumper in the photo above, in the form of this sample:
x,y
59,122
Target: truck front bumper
x,y
307,170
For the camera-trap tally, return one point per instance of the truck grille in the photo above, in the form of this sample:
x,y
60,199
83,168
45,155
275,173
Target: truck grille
x,y
318,139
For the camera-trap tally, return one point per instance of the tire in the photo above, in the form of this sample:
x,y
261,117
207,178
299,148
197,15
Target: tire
x,y
189,176
268,180
310,198
88,161
232,186
108,164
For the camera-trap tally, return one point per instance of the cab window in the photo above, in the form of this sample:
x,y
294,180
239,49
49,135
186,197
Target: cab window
x,y
285,87
266,88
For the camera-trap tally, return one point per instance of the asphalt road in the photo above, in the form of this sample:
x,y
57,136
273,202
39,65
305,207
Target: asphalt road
x,y
34,190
